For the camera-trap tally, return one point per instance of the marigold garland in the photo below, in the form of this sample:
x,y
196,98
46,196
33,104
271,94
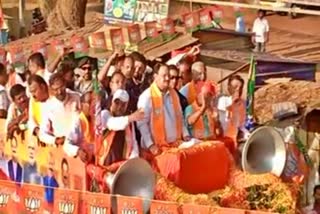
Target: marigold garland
x,y
264,192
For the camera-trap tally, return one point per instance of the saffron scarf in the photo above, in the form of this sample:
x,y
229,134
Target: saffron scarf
x,y
158,116
104,150
199,126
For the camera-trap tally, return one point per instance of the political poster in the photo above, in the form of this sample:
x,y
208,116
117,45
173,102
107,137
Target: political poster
x,y
36,172
151,10
119,10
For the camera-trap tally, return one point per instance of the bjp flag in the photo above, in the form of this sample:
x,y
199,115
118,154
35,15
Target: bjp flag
x,y
164,207
32,198
129,205
97,203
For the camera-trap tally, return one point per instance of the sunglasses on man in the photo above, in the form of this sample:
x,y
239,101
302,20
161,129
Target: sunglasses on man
x,y
86,68
175,77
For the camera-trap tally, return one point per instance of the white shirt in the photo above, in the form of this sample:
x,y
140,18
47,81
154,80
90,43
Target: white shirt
x,y
4,99
223,103
145,125
260,27
118,124
176,59
10,115
59,120
45,75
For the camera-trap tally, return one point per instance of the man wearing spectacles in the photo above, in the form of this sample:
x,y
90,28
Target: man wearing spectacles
x,y
84,84
175,83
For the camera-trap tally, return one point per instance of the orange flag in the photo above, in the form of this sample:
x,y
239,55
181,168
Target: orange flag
x,y
195,209
129,205
17,54
7,191
56,46
191,21
32,198
97,203
66,201
134,34
40,47
151,29
164,207
98,41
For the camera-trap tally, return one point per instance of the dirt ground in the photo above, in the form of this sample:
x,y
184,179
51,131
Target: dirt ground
x,y
294,38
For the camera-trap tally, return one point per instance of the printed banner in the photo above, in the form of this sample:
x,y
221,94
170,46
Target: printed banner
x,y
168,26
195,209
17,56
159,207
24,161
147,10
192,21
129,205
32,198
57,46
97,203
119,10
80,46
98,42
205,18
66,201
134,34
40,47
7,193
151,29
117,39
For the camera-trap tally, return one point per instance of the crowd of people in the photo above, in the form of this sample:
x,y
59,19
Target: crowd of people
x,y
140,110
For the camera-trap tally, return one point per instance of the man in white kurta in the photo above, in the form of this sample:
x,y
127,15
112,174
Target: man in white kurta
x,y
260,32
148,140
61,116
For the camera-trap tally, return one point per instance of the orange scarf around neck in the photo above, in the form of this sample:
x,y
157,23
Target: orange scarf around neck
x,y
192,92
199,126
158,116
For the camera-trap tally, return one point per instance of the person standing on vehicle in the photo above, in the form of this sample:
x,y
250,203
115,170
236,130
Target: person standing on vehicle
x,y
260,32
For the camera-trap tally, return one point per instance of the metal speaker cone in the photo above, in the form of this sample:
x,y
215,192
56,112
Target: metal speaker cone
x,y
264,152
134,178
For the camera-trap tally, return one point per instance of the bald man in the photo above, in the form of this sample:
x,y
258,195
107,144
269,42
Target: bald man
x,y
199,73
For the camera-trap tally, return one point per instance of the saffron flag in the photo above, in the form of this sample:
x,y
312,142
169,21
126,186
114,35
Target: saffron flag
x,y
250,94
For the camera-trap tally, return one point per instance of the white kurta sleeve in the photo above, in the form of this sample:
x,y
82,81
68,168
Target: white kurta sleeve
x,y
113,123
255,26
176,59
31,123
144,125
45,126
73,140
135,147
267,25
